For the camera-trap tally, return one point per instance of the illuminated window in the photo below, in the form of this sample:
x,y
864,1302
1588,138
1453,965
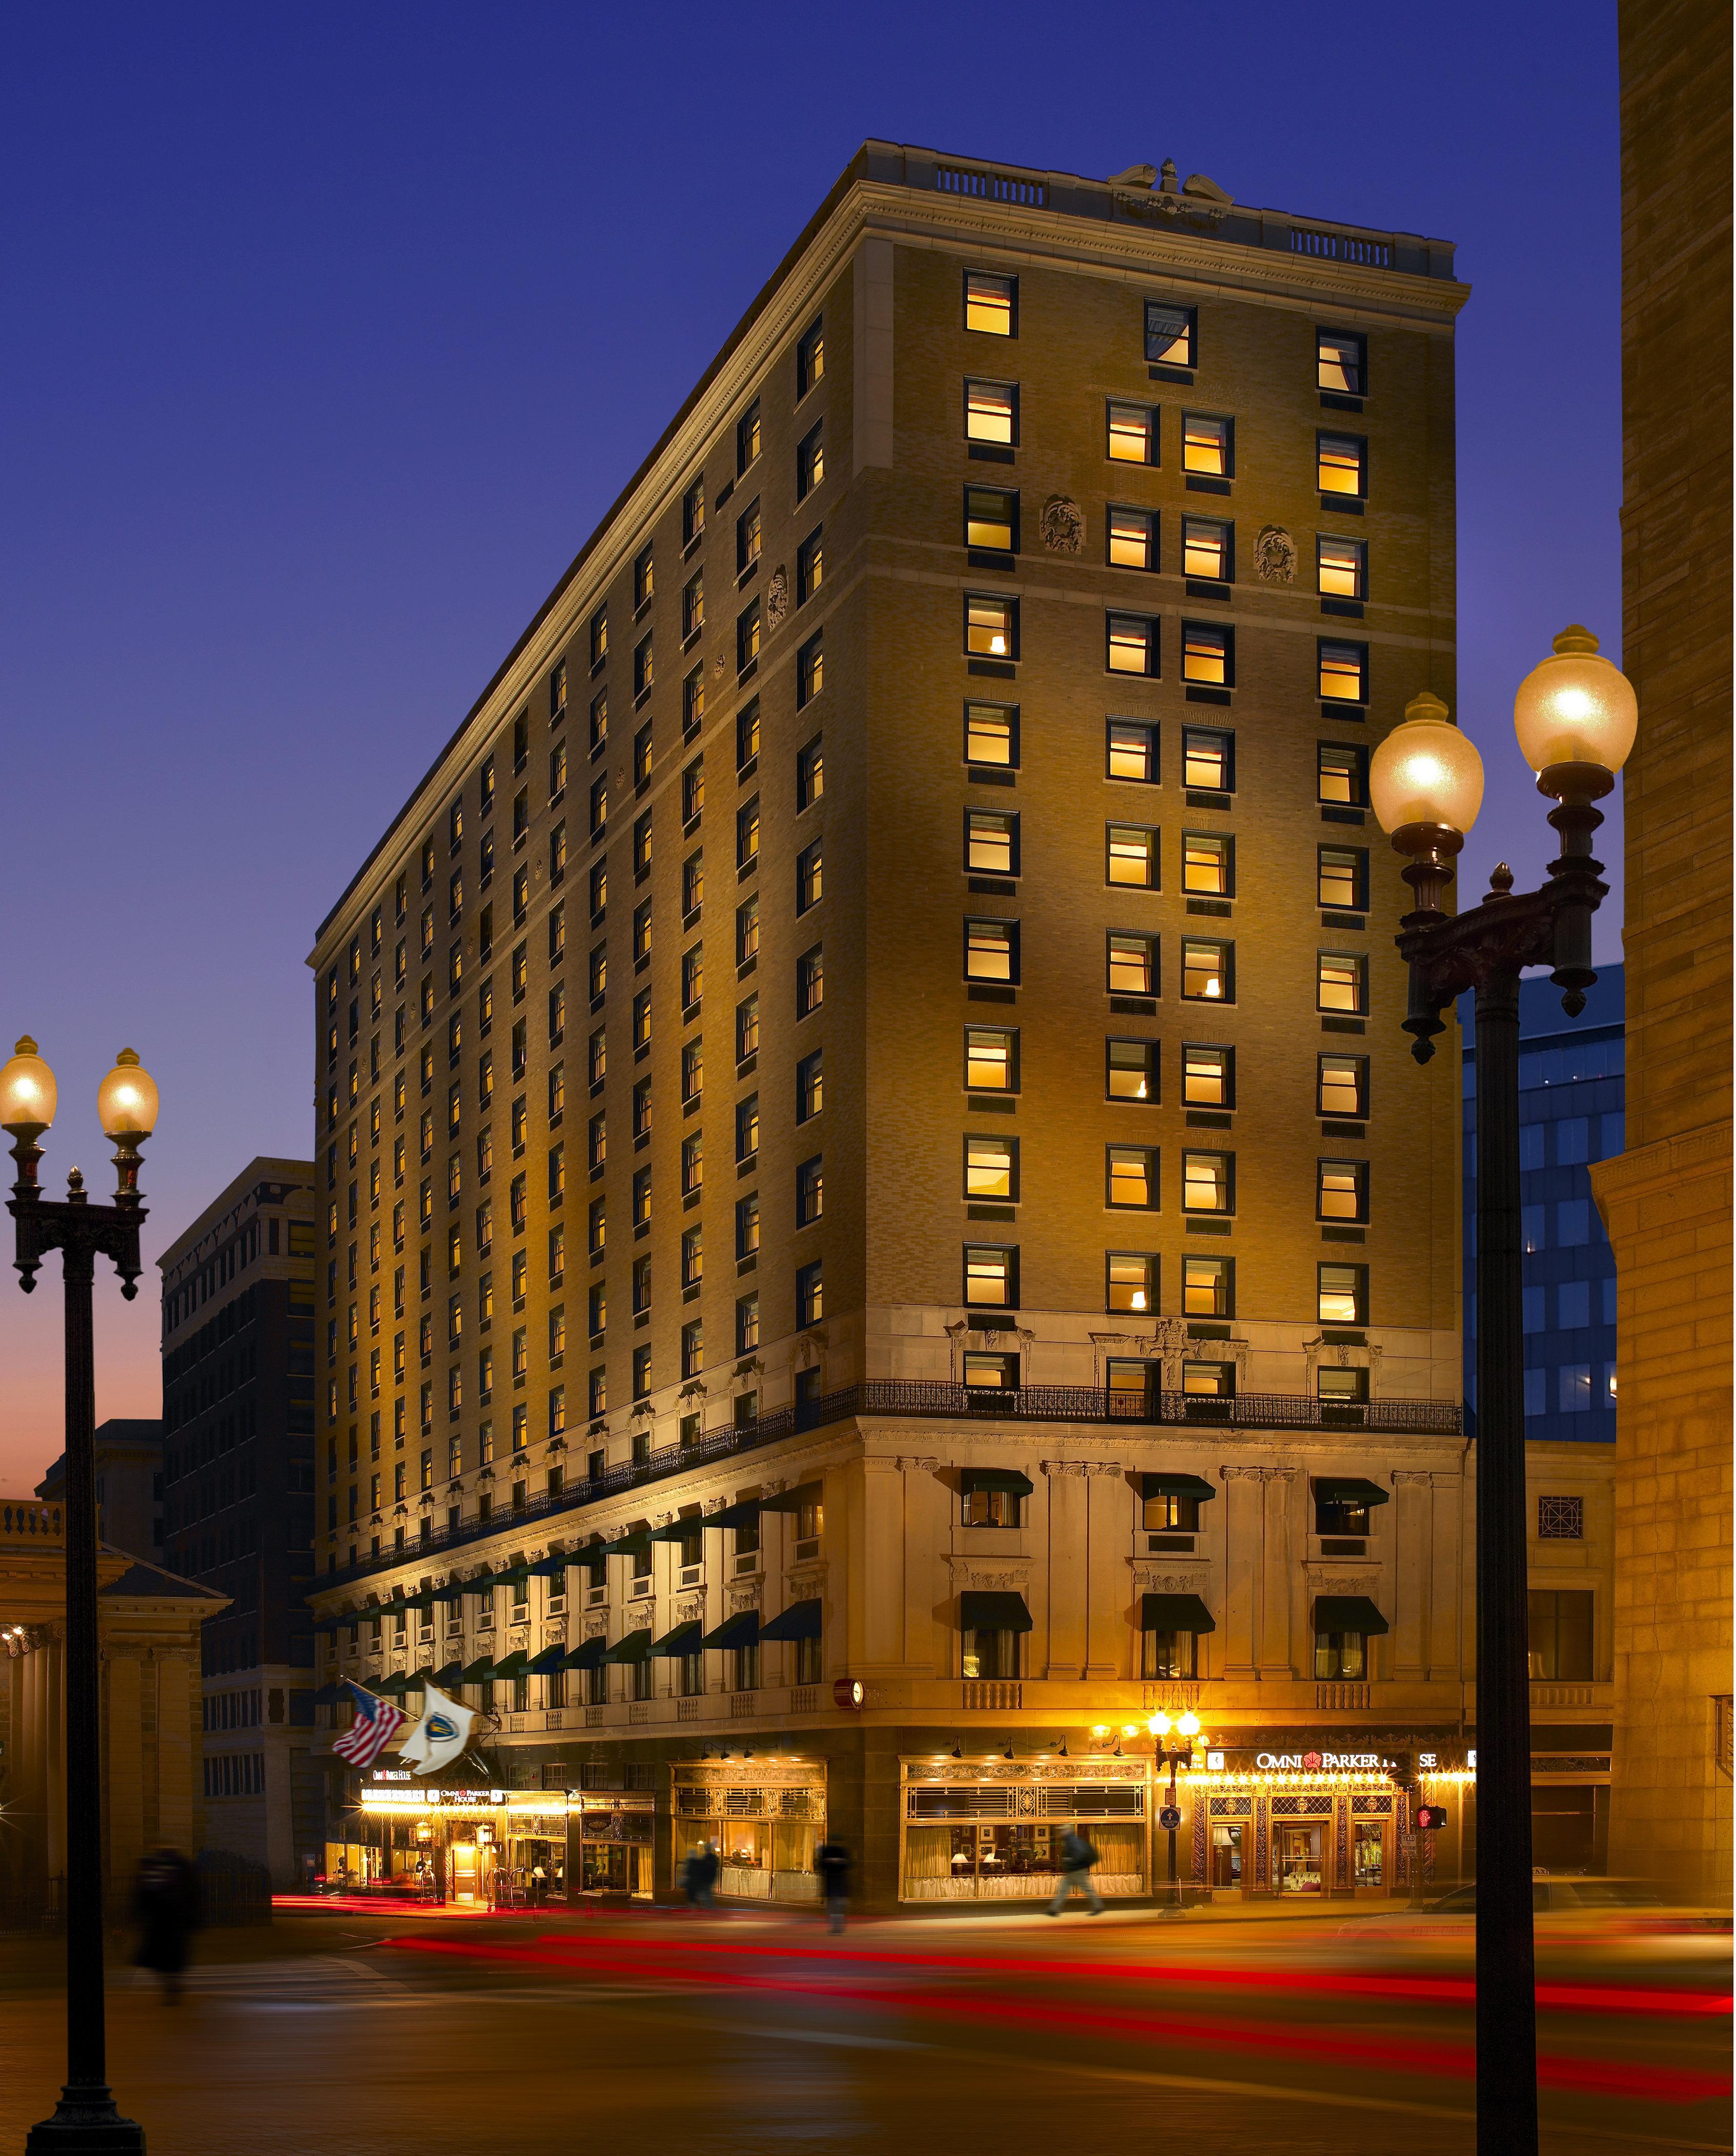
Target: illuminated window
x,y
642,1018
1209,1381
1342,1190
1342,775
1207,864
1208,1287
746,1327
810,1294
746,1028
693,512
1132,850
1342,1388
811,461
991,413
1344,1295
1133,433
1207,653
991,841
1133,643
1207,548
1208,445
693,1163
987,1372
1132,1070
991,1058
1343,672
810,359
810,565
644,668
811,1191
1133,965
1132,747
991,1167
747,930
991,734
1342,363
1133,538
1208,971
811,669
810,876
1342,982
1208,1076
991,304
747,437
1131,1177
810,981
747,637
1131,1279
991,518
693,604
991,624
991,951
746,735
1343,1087
1343,873
1208,759
748,1224
1342,568
810,1086
747,1127
1342,463
1208,1182
991,1276
1169,334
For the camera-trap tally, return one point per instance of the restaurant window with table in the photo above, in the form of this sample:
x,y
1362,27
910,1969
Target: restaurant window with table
x,y
999,1837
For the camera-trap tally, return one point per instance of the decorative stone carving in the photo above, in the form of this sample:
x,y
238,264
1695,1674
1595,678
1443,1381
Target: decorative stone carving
x,y
809,1347
1062,524
1148,1580
690,1610
744,1598
717,666
978,1574
776,596
1197,197
1062,1466
1343,1357
1275,554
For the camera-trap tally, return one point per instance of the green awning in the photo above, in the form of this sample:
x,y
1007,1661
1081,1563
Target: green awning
x,y
453,1591
516,1665
792,1501
546,1663
479,1671
683,1641
800,1621
510,1575
1178,1486
424,1600
552,1568
980,1610
1347,1613
1007,1478
678,1531
744,1515
1175,1613
329,1695
482,1584
1349,1490
392,1687
633,1544
741,1630
588,1655
444,1679
631,1647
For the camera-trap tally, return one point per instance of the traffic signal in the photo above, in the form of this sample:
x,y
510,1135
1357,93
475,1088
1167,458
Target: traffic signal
x,y
1429,1816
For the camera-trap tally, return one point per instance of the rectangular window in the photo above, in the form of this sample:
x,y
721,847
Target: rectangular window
x,y
600,722
1208,1182
810,1294
1208,1076
1169,334
1341,1190
748,638
810,773
642,1018
991,734
991,413
1561,1635
1343,1388
991,624
1343,672
1341,362
1133,964
599,636
811,461
1343,872
991,1169
1342,780
746,1325
1341,567
1133,433
693,883
810,358
810,1086
991,842
810,981
985,1372
991,1276
693,1163
1343,982
1208,549
1133,644
746,735
1207,653
991,1058
1208,971
810,876
747,1226
693,700
644,668
1132,537
693,1071
747,437
1341,462
811,669
1131,748
746,1028
1131,1177
991,518
811,1191
693,604
645,579
991,304
1344,1086
810,565
1208,445
1208,864
991,951
747,930
748,539
1208,1287
1130,1280
693,512
1132,1072
1130,856
1344,1295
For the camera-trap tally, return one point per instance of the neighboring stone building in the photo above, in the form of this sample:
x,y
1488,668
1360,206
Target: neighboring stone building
x,y
873,1202
238,1291
128,1485
1666,1200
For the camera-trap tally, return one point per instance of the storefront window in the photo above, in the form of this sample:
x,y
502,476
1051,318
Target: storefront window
x,y
1296,1850
1370,1855
1340,1655
1226,1857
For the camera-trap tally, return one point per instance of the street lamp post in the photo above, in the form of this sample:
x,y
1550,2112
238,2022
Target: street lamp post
x,y
85,2121
1575,716
1180,1755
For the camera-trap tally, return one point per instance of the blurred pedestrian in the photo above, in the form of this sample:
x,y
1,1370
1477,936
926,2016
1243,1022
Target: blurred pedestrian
x,y
166,1901
831,1861
1077,1856
706,1865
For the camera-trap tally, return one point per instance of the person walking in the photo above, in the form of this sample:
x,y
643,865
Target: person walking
x,y
831,1861
1077,1856
166,1901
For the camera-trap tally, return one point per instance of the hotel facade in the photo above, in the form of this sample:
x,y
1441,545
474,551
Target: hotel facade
x,y
876,1223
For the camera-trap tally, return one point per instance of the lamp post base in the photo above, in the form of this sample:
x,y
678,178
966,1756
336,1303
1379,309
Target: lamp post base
x,y
86,2123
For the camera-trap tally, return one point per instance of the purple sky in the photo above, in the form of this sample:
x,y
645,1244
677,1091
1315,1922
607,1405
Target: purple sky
x,y
332,332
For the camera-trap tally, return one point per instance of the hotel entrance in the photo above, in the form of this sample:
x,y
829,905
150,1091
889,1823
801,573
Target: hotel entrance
x,y
1297,1852
473,1849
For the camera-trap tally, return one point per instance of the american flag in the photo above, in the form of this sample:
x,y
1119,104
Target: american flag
x,y
376,1722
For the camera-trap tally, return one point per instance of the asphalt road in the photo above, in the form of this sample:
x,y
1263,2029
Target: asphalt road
x,y
732,2034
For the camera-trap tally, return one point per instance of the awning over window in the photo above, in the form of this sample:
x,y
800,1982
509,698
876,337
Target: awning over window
x,y
510,1575
329,1623
1349,1490
982,1611
552,1568
546,1663
741,1630
684,1639
479,1671
483,1584
329,1695
744,1515
588,1655
392,1687
677,1531
631,1647
444,1679
800,1621
1178,1486
634,1544
453,1591
1007,1478
1175,1613
516,1665
1346,1613
792,1501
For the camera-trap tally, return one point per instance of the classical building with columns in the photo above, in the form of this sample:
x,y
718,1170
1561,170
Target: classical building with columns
x,y
764,1310
149,1623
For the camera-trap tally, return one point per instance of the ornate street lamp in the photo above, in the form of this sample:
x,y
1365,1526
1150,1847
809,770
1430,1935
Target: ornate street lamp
x,y
85,2122
1575,716
1170,1818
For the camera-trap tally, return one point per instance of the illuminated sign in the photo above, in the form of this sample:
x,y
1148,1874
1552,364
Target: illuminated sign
x,y
1321,1762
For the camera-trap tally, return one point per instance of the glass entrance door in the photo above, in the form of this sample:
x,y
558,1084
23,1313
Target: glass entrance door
x,y
1298,1851
1370,1873
1226,1857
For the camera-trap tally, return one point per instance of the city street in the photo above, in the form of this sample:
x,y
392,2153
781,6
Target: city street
x,y
726,2031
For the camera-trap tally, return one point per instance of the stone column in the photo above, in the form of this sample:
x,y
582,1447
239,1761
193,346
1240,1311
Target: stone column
x,y
1067,1595
1109,1538
1243,1534
1446,1634
1278,1573
877,1588
1413,1554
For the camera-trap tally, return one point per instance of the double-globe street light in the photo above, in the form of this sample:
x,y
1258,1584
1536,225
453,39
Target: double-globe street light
x,y
1173,1755
1575,716
85,2122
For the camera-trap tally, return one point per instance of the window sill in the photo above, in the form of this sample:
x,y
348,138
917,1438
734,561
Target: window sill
x,y
1343,1026
1344,609
1342,504
1196,483
1333,400
1208,1119
1000,559
1356,921
977,774
992,452
1198,588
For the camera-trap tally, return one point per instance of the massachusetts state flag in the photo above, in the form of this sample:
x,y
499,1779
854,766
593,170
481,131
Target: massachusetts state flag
x,y
440,1736
376,1722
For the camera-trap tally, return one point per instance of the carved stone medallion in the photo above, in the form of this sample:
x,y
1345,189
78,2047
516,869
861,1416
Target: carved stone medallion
x,y
1275,555
1063,525
778,596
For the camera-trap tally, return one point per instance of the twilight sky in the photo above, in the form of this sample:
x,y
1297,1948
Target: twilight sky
x,y
332,332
